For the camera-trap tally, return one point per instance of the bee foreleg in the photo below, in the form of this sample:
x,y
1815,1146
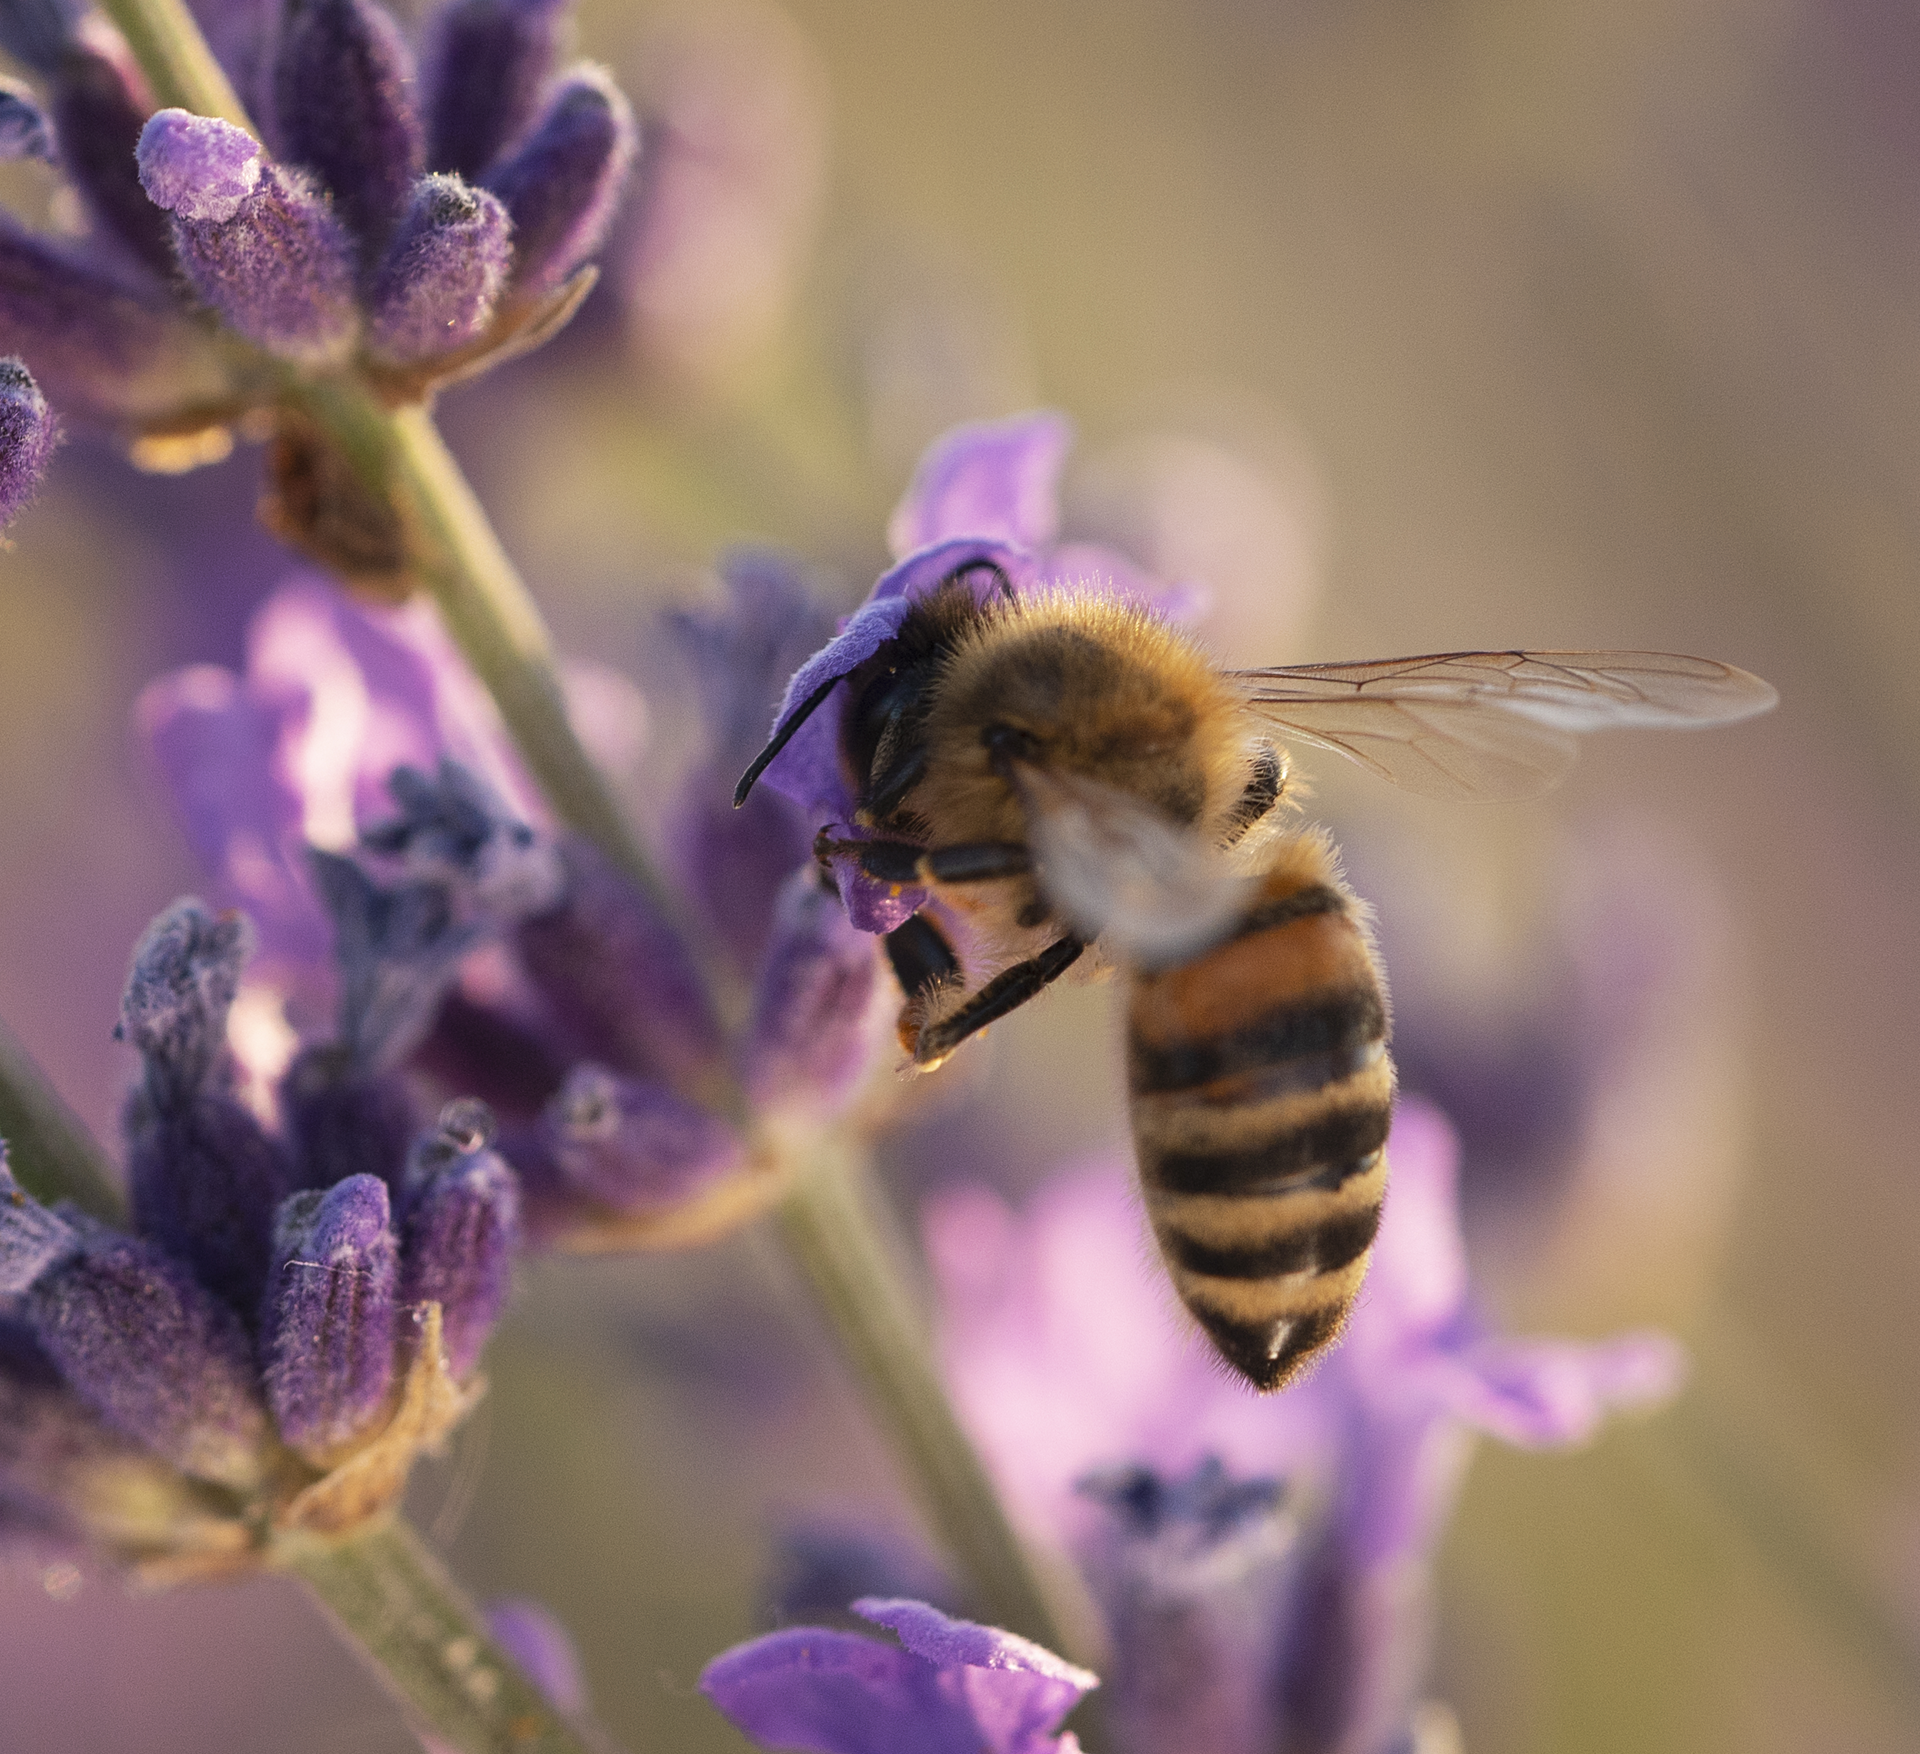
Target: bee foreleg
x,y
899,861
1007,991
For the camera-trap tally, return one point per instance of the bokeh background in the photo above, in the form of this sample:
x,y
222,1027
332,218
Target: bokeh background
x,y
1408,325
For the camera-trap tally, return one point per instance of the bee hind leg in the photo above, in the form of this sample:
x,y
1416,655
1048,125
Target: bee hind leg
x,y
1007,991
1267,782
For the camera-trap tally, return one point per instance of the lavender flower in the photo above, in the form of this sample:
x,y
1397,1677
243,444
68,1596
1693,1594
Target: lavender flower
x,y
948,1687
350,235
28,434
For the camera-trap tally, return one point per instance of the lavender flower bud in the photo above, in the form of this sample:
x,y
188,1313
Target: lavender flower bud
x,y
487,64
186,970
461,1223
398,950
563,184
632,1145
28,434
1192,1575
344,1120
811,1036
255,240
327,1323
438,282
342,101
618,974
206,1180
24,129
159,1359
31,1237
99,106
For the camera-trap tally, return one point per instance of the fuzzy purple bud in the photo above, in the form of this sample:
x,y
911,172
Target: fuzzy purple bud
x,y
343,1120
812,1032
633,1145
436,286
461,1223
28,434
24,129
487,64
198,167
618,974
186,970
563,184
343,105
99,107
31,1238
157,1357
255,240
327,1322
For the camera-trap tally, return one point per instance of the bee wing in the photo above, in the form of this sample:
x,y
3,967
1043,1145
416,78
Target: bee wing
x,y
1493,724
1115,868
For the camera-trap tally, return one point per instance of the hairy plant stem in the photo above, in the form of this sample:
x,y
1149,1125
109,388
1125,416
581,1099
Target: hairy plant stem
x,y
49,1150
429,1646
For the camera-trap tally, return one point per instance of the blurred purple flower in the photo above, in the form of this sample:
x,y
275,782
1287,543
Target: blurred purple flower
x,y
1068,1357
28,434
948,1687
983,509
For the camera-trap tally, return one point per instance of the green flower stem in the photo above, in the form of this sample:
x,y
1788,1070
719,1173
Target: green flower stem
x,y
430,1647
175,58
49,1150
833,1232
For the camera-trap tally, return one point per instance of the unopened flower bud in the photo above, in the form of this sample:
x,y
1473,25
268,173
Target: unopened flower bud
x,y
437,285
460,1220
31,1237
344,1120
157,1356
28,434
633,1145
487,63
186,970
327,1323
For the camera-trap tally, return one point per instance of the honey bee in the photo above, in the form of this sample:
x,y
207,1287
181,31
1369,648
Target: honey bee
x,y
1070,774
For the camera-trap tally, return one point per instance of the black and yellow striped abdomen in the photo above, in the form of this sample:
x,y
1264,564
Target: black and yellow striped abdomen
x,y
1261,1093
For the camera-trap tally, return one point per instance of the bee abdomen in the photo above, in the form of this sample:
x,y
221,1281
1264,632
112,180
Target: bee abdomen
x,y
1261,1096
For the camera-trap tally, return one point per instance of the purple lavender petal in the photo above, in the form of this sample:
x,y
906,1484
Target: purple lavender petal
x,y
536,1640
28,435
31,1238
100,349
280,272
618,974
186,970
99,105
455,829
460,1222
808,769
812,1036
487,64
997,479
563,184
327,1321
343,107
1552,1394
955,1689
25,132
343,1120
198,167
634,1145
436,287
206,1179
158,1358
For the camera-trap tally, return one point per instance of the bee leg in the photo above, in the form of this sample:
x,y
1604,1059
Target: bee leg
x,y
1262,793
1007,991
920,955
899,861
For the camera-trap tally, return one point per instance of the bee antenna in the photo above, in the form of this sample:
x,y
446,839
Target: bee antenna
x,y
981,564
782,737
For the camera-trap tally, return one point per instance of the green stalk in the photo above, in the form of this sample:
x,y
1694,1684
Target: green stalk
x,y
175,58
830,1227
429,1646
49,1150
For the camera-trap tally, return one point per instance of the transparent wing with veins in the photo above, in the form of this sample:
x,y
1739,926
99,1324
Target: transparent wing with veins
x,y
1115,868
1482,725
